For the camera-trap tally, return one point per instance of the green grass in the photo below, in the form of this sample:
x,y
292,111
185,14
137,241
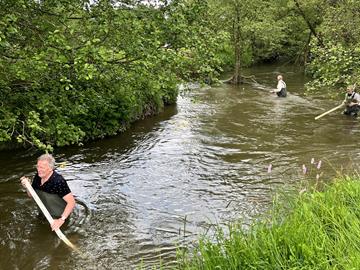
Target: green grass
x,y
312,230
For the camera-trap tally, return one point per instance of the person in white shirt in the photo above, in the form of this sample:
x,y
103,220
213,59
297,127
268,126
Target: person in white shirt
x,y
351,101
280,88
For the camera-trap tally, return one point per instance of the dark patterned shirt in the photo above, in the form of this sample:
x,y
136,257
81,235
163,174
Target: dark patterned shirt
x,y
56,184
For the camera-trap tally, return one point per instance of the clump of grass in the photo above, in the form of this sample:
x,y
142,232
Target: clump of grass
x,y
311,230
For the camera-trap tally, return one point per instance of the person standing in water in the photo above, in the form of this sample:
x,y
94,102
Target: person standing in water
x,y
280,88
53,190
351,101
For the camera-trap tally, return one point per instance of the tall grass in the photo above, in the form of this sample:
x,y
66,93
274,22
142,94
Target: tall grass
x,y
311,230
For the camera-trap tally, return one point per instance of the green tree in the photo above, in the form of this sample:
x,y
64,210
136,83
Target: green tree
x,y
72,71
335,64
255,29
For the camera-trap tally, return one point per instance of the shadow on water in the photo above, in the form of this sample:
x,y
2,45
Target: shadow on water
x,y
21,231
172,177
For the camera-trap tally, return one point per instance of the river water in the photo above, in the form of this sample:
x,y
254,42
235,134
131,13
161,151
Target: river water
x,y
169,179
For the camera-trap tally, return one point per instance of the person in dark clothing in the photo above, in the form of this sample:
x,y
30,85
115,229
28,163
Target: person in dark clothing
x,y
52,189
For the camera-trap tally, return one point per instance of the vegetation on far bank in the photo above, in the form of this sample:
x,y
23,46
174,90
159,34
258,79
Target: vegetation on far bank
x,y
311,230
73,71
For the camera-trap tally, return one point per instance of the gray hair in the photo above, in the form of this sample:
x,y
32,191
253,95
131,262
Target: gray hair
x,y
49,158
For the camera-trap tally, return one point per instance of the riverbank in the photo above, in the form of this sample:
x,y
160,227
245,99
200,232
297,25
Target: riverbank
x,y
312,230
97,115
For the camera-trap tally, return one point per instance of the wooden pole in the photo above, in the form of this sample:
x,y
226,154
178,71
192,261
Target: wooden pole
x,y
329,111
46,213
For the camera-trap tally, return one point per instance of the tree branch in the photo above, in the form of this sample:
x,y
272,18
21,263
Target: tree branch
x,y
311,27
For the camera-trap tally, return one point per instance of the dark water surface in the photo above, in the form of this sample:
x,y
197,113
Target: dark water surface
x,y
200,163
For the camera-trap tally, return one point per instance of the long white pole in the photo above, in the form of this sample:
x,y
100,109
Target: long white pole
x,y
329,111
47,214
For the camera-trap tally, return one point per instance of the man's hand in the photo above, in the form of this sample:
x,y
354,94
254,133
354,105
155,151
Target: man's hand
x,y
352,104
57,224
23,180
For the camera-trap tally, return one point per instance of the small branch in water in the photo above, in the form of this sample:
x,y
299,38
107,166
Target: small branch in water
x,y
243,79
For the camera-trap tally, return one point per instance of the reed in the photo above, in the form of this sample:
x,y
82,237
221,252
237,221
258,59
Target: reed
x,y
311,230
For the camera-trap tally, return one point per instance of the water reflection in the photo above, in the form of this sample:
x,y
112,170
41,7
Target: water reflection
x,y
169,178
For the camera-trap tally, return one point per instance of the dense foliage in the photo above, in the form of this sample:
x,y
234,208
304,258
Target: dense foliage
x,y
337,62
77,70
256,31
322,35
72,71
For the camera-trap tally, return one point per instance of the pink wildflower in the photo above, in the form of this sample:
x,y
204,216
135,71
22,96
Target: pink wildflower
x,y
319,165
269,168
304,169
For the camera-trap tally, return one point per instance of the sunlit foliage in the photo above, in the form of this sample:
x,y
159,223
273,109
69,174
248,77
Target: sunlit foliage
x,y
71,71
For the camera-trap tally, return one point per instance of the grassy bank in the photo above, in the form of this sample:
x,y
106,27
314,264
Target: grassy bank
x,y
312,230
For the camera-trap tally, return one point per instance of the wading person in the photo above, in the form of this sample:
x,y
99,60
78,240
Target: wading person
x,y
53,190
351,101
280,88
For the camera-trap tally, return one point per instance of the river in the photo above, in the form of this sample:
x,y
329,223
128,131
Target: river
x,y
167,180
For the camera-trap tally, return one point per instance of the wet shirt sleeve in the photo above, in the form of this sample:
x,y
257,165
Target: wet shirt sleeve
x,y
281,84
